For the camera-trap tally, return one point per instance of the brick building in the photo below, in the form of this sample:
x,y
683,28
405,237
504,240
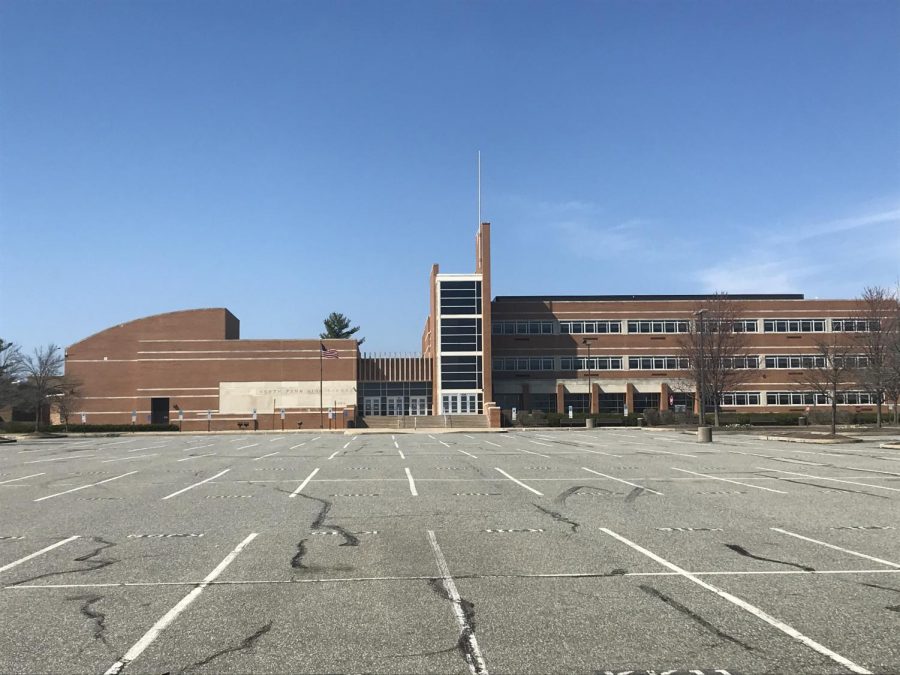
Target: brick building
x,y
480,356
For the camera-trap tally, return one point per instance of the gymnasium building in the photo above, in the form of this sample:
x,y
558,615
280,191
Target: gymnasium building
x,y
481,357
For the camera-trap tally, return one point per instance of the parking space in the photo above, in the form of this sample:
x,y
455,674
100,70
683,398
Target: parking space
x,y
539,551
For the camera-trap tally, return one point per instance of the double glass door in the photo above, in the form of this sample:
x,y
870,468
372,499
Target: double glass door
x,y
459,404
394,405
418,405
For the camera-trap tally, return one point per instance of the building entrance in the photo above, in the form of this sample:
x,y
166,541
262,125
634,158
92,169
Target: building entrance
x,y
418,405
459,404
372,405
394,405
159,411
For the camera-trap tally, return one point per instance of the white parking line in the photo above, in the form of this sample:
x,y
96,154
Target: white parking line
x,y
402,456
125,459
347,444
856,468
727,480
58,459
173,613
82,487
622,480
496,445
197,447
28,557
838,548
256,459
191,487
303,484
466,629
208,454
149,447
446,445
412,484
299,445
13,480
597,452
332,455
277,438
244,447
835,480
666,452
517,481
396,446
466,453
746,606
533,453
778,459
546,445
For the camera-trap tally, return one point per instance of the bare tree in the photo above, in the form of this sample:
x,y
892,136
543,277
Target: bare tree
x,y
876,323
715,348
829,371
43,377
10,372
67,399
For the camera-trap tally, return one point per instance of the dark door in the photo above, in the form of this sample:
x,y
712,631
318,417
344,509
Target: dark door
x,y
159,411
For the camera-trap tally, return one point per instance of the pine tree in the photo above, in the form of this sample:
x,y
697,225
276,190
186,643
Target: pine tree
x,y
337,327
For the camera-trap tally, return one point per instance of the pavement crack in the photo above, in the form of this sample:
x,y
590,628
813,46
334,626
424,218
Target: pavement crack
x,y
634,494
740,550
88,611
465,644
565,494
297,561
828,487
560,518
247,643
674,604
96,564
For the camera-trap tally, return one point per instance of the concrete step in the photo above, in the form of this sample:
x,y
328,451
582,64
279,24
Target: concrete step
x,y
424,422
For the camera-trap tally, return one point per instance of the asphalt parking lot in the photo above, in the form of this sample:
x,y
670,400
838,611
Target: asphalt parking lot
x,y
543,551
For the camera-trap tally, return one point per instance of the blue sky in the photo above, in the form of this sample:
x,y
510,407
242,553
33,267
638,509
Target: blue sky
x,y
287,159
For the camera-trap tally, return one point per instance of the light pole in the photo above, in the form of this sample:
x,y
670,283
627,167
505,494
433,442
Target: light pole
x,y
703,433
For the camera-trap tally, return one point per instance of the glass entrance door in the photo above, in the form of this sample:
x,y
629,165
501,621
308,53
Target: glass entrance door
x,y
394,405
418,405
459,404
372,405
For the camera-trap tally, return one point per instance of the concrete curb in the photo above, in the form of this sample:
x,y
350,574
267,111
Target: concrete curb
x,y
441,430
815,441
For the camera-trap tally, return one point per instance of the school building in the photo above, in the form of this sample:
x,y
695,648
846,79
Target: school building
x,y
481,357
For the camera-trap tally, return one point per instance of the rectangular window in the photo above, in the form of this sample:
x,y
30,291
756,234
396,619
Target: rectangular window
x,y
741,398
590,327
580,403
460,335
794,361
644,402
544,402
666,326
746,326
854,325
794,325
612,403
741,362
460,297
461,372
657,363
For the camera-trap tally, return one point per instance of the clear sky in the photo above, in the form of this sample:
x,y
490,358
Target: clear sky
x,y
287,159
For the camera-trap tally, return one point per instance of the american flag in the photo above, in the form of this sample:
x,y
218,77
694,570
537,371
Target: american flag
x,y
328,353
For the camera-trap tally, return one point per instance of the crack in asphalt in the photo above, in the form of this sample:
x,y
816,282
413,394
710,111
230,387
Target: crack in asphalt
x,y
744,552
95,615
565,494
827,487
297,561
891,608
558,517
634,494
98,564
247,643
464,644
692,615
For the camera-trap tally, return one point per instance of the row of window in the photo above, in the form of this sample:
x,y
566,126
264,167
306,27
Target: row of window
x,y
545,327
460,297
460,335
615,403
571,363
811,398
